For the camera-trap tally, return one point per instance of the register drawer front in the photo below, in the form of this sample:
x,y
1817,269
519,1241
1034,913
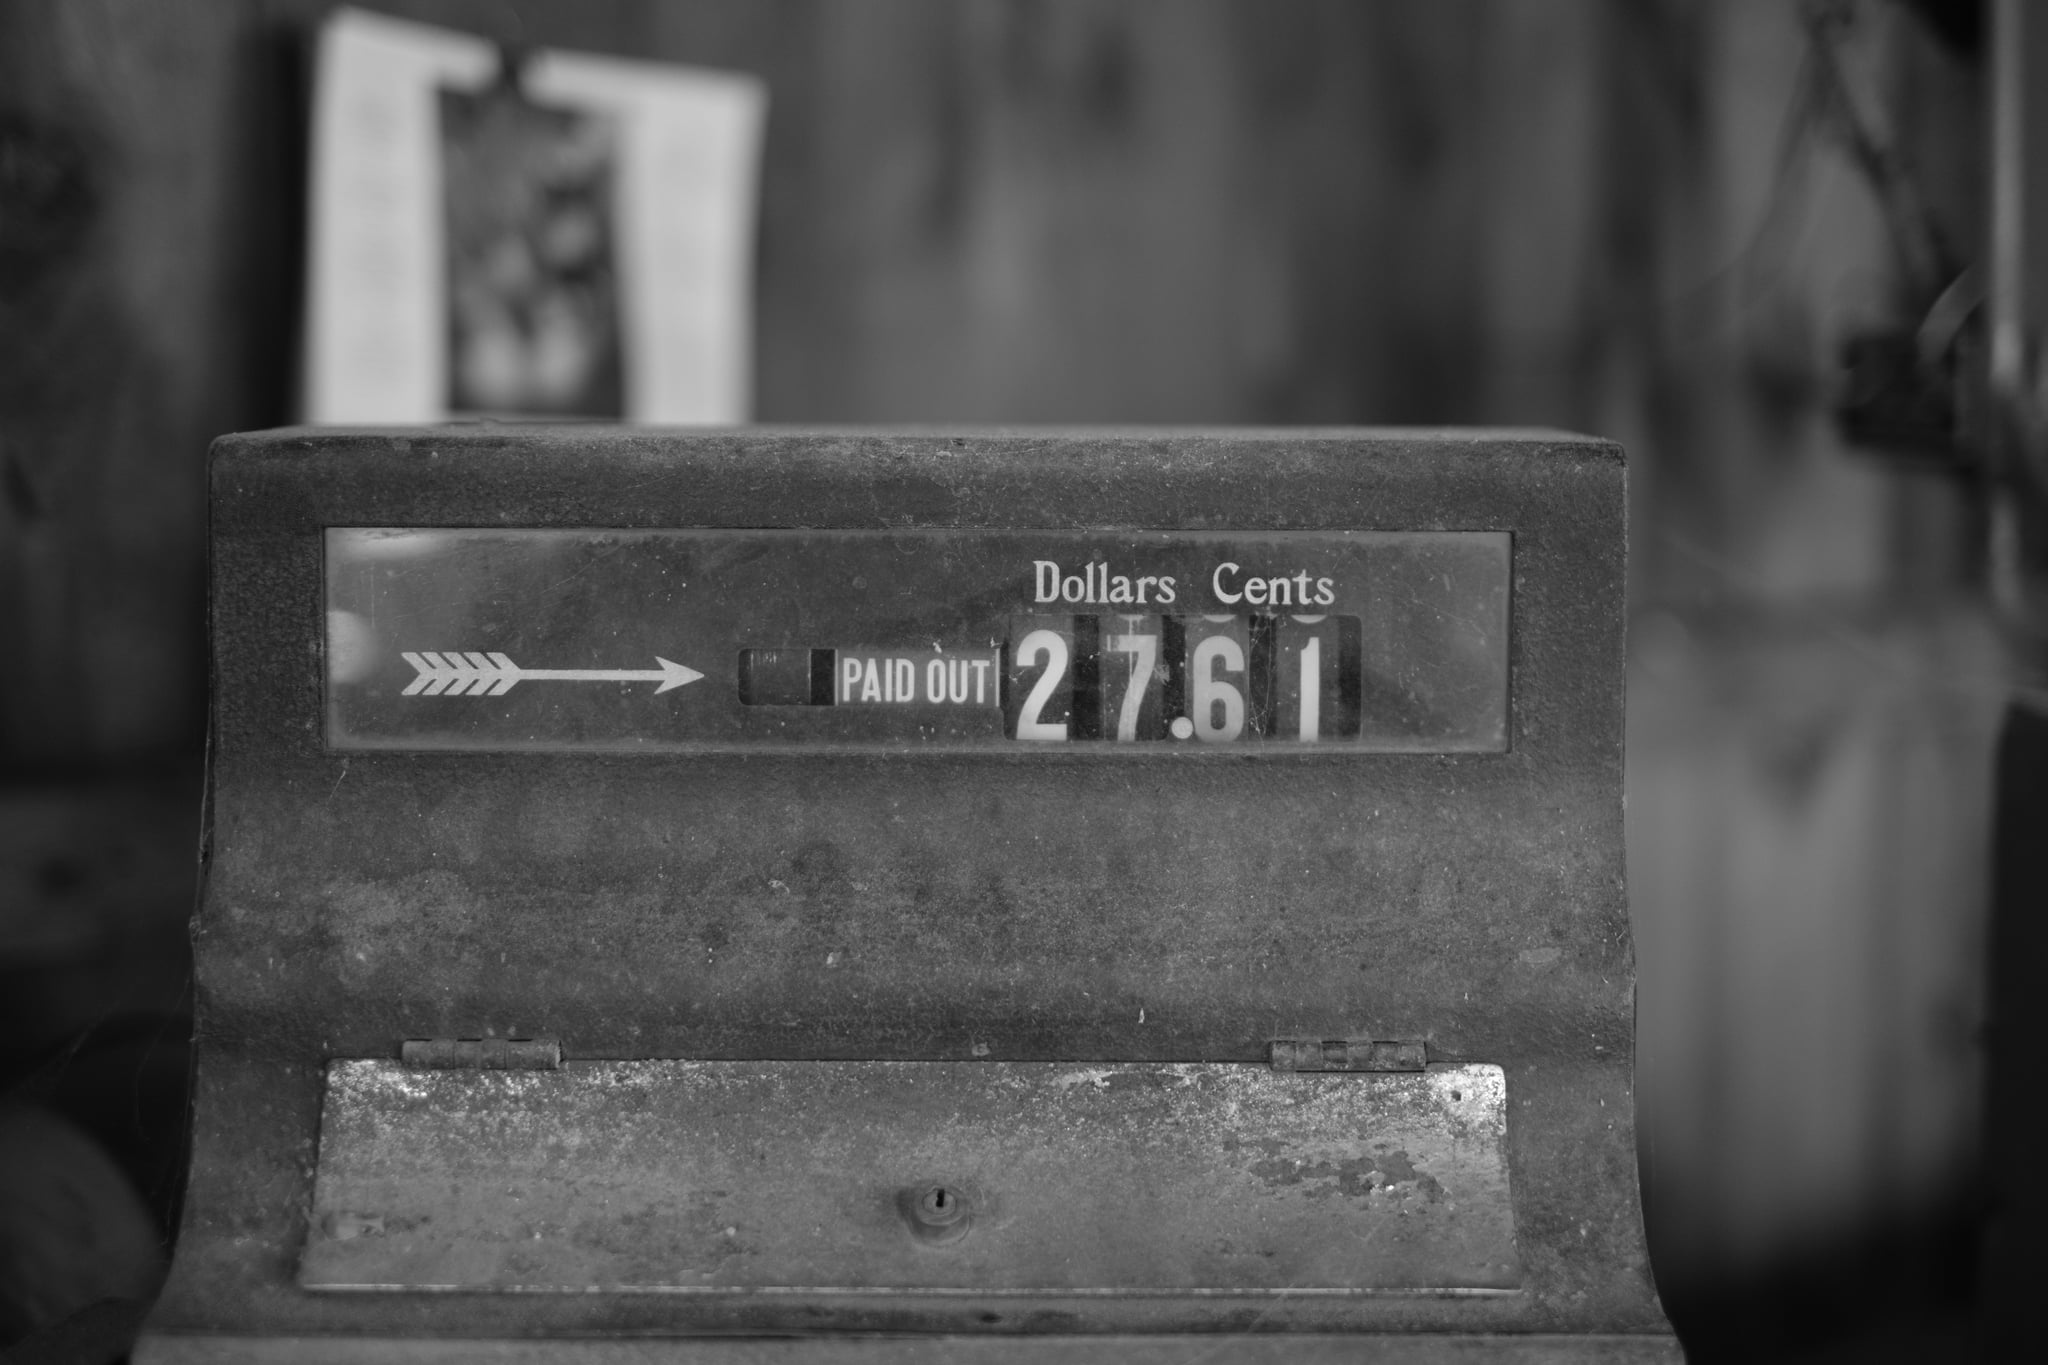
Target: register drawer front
x,y
724,1177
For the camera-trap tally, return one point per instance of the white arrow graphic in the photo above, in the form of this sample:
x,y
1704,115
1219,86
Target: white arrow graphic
x,y
450,674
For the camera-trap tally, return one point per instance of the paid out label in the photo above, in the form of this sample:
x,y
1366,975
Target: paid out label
x,y
933,678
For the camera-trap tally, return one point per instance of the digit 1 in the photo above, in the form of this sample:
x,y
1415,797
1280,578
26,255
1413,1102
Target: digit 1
x,y
1316,663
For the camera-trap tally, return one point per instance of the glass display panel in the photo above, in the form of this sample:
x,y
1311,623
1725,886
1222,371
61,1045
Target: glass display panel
x,y
940,639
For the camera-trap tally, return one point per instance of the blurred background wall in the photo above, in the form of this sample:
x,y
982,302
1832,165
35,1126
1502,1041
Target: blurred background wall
x,y
1642,218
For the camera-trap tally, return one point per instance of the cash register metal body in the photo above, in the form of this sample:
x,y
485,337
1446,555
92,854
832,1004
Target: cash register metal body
x,y
989,895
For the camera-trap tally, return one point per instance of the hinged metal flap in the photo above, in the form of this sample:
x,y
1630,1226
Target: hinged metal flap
x,y
885,1177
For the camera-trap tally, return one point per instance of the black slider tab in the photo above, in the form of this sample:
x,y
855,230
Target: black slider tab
x,y
785,677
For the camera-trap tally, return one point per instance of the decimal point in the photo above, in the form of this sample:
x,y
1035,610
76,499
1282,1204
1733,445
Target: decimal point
x,y
1182,727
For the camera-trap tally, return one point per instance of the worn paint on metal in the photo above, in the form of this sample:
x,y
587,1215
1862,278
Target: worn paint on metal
x,y
1033,1176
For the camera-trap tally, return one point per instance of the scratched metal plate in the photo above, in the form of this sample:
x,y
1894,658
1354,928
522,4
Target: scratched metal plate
x,y
1159,1178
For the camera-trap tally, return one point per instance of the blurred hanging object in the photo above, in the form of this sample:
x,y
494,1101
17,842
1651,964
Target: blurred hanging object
x,y
526,234
1813,709
1925,259
1909,389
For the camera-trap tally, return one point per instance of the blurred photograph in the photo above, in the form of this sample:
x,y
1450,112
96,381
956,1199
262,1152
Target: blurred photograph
x,y
533,299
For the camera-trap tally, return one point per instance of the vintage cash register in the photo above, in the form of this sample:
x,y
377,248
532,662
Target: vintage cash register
x,y
1003,895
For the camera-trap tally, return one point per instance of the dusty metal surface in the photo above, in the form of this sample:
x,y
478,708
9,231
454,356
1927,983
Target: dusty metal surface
x,y
481,1054
1348,1054
879,1176
992,906
1438,1349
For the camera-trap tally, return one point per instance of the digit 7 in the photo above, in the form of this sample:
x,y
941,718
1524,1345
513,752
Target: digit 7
x,y
1136,640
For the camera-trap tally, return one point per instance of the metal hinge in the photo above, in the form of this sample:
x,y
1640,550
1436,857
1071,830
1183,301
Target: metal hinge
x,y
481,1054
1348,1054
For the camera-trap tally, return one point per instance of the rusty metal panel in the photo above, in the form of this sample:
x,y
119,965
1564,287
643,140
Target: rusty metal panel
x,y
875,1177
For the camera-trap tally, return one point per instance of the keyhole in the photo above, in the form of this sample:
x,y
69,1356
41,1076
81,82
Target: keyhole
x,y
936,1213
940,1207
